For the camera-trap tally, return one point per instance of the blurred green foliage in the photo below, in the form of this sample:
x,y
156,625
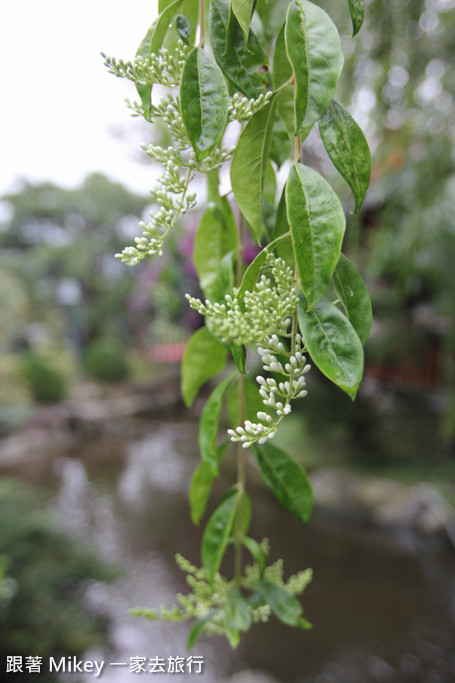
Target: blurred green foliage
x,y
57,254
44,611
106,360
45,381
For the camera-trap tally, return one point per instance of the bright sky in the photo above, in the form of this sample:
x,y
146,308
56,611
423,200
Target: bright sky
x,y
62,114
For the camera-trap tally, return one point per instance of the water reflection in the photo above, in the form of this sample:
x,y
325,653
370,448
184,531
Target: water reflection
x,y
382,607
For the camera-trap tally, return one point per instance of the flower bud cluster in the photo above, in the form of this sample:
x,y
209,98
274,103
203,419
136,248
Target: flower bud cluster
x,y
171,195
174,200
276,395
241,108
163,67
246,319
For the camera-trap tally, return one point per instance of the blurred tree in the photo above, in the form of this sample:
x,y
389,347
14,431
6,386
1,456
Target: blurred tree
x,y
42,606
61,244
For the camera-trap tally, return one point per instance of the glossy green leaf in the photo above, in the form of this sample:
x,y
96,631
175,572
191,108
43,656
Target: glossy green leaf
x,y
245,65
284,248
239,356
333,344
280,147
183,28
282,73
253,271
150,44
284,605
249,165
217,533
314,49
268,210
243,10
237,615
204,101
209,421
272,13
354,296
317,224
215,237
189,10
162,4
269,191
203,358
348,149
154,37
286,479
357,10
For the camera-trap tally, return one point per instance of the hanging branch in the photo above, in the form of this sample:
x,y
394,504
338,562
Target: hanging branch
x,y
281,305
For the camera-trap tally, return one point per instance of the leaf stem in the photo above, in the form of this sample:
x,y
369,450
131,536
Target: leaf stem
x,y
298,149
201,22
241,454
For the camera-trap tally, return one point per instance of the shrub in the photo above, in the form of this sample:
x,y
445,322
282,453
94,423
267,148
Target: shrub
x,y
106,361
46,383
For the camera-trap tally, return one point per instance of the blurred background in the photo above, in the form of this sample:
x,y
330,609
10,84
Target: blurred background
x,y
96,450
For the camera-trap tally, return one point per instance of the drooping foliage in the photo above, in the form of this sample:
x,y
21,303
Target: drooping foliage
x,y
275,71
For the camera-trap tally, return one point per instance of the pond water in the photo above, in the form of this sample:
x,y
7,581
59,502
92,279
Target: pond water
x,y
382,606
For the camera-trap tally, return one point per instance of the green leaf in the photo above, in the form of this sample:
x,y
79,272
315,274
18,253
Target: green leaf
x,y
255,551
348,149
243,9
227,271
209,422
354,296
150,44
249,165
282,72
280,148
253,271
284,605
201,485
317,224
215,237
204,357
286,479
284,248
357,10
239,356
314,50
162,4
154,37
271,13
198,628
333,344
269,191
189,10
237,615
204,101
216,535
183,28
244,65
246,513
